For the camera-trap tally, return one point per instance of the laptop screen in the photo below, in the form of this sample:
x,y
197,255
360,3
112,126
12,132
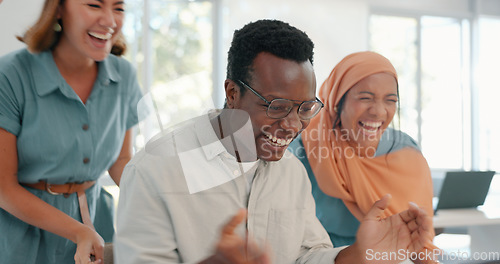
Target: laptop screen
x,y
464,189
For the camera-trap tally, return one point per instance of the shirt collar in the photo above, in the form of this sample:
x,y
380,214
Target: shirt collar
x,y
48,78
108,71
209,142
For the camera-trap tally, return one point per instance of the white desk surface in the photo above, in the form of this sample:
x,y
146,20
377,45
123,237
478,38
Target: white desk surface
x,y
467,217
483,225
488,214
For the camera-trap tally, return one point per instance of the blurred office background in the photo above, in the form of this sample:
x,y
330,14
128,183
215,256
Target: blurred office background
x,y
445,51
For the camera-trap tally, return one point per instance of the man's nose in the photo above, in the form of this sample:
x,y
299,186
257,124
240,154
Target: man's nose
x,y
292,121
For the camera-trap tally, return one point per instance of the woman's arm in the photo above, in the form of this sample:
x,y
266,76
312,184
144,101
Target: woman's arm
x,y
116,170
21,203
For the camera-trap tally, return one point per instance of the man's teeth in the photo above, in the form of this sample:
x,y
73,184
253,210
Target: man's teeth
x,y
105,36
281,142
371,126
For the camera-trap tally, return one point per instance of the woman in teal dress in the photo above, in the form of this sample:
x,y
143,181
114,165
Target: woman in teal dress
x,y
67,108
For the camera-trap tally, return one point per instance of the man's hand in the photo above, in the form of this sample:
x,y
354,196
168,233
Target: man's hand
x,y
233,249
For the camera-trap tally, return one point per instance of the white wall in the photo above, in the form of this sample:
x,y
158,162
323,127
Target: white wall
x,y
489,7
337,27
15,17
431,7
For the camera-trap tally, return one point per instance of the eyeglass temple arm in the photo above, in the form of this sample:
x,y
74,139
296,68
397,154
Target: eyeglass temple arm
x,y
253,91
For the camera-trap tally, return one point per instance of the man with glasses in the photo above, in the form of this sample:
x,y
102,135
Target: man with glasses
x,y
223,189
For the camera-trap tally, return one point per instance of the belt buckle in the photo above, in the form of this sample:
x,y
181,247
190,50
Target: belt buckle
x,y
47,188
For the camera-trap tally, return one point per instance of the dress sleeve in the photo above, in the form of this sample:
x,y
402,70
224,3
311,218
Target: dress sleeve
x,y
135,94
10,105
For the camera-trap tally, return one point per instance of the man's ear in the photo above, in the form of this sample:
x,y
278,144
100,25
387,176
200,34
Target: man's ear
x,y
233,94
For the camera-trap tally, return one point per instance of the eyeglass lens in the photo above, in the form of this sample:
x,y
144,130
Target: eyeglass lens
x,y
280,108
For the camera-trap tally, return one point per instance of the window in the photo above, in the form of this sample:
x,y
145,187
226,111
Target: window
x,y
487,127
448,68
431,57
170,43
442,83
399,45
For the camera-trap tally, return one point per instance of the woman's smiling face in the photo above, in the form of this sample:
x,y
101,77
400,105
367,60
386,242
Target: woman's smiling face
x,y
90,27
368,109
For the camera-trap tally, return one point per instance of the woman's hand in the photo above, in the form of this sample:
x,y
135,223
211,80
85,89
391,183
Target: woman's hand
x,y
399,235
89,246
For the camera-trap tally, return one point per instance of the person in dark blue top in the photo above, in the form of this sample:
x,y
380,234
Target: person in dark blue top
x,y
67,109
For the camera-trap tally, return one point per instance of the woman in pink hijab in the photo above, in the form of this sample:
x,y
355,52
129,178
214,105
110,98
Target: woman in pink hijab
x,y
353,159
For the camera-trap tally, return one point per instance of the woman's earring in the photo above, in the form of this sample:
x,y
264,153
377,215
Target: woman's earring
x,y
57,27
335,109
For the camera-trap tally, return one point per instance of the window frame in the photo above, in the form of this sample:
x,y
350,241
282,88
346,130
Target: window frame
x,y
470,129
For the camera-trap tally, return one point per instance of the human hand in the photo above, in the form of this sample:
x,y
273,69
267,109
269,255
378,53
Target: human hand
x,y
89,247
233,249
395,238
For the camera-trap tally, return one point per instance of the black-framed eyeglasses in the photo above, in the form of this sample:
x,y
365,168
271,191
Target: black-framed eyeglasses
x,y
279,108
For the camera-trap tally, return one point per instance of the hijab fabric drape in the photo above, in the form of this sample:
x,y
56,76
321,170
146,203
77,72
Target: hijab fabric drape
x,y
356,179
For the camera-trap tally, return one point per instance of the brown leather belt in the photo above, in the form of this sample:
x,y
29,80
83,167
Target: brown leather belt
x,y
66,190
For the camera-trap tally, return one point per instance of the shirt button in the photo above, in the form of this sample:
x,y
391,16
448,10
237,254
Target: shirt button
x,y
236,172
86,160
85,127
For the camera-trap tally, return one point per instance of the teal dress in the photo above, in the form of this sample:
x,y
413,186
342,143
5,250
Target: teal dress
x,y
61,140
338,221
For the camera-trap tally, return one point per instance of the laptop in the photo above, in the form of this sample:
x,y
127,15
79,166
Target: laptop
x,y
464,189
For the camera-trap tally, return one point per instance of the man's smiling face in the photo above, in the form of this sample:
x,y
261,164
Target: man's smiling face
x,y
273,78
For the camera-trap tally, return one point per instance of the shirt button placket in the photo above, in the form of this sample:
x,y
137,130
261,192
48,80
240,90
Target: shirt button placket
x,y
85,127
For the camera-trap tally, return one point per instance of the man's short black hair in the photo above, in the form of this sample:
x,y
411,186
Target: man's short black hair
x,y
273,36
